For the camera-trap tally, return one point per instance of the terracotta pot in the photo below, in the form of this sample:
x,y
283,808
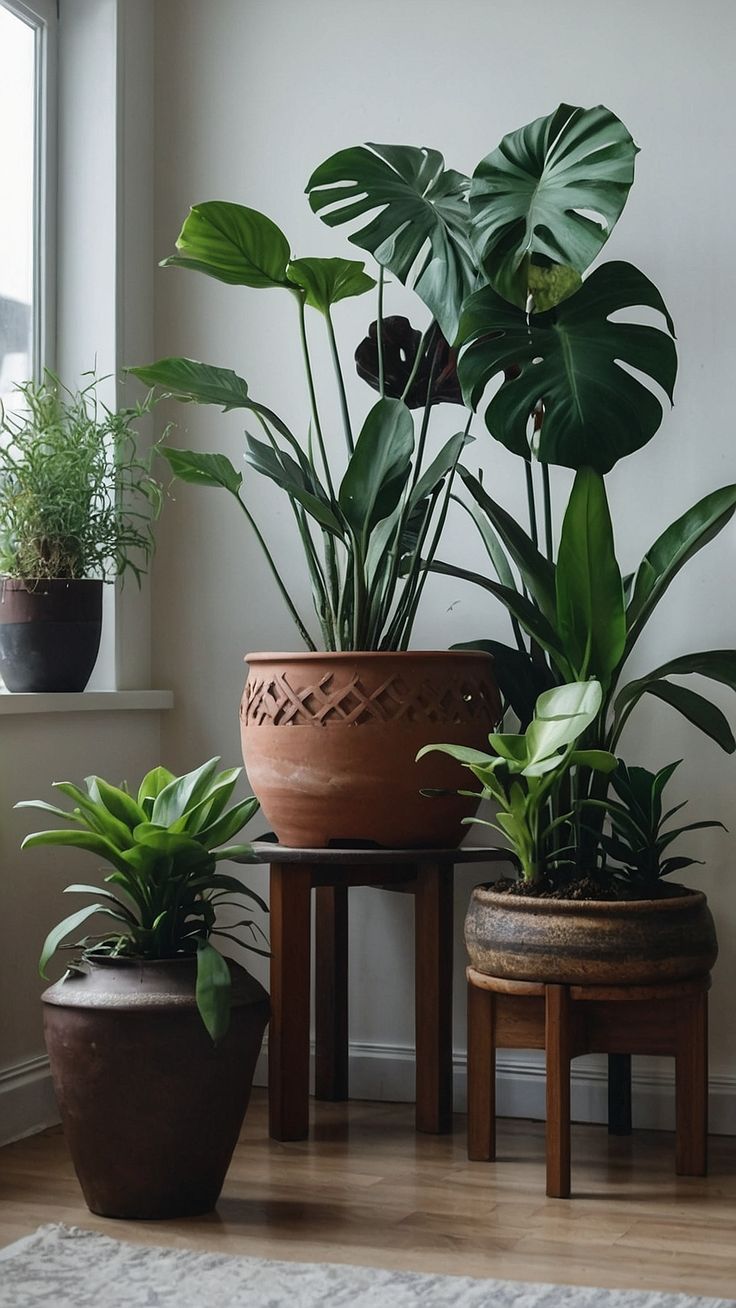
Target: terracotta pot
x,y
330,741
632,942
49,633
151,1108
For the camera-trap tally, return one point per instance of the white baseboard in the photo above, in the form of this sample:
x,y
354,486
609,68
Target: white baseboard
x,y
386,1072
27,1103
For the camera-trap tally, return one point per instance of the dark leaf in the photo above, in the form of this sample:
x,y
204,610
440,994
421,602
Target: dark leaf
x,y
400,345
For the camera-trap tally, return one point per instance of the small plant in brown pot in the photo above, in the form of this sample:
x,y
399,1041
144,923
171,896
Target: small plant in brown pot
x,y
612,920
152,1034
77,503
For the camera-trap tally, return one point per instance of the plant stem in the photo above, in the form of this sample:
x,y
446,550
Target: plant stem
x,y
421,348
277,578
340,384
379,335
313,395
547,512
533,529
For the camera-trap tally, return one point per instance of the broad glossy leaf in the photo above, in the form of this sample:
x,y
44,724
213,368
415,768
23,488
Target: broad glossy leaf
x,y
598,759
117,802
673,549
529,616
103,894
562,715
520,680
697,710
213,990
552,190
493,547
97,816
417,219
441,465
537,571
183,793
463,754
229,824
716,664
193,382
300,482
201,469
595,412
325,281
49,808
591,618
232,243
379,467
154,782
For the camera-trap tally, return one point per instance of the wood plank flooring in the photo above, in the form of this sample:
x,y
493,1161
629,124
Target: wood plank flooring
x,y
366,1189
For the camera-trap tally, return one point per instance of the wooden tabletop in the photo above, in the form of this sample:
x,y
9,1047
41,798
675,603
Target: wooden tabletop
x,y
275,853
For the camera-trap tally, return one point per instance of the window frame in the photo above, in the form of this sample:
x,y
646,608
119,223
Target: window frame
x,y
42,16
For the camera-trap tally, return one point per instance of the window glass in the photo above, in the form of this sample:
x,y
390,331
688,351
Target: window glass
x,y
19,292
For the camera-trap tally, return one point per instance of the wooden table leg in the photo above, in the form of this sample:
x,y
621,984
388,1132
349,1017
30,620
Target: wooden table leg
x,y
619,1094
691,1087
433,1003
331,992
557,1045
288,1039
481,1074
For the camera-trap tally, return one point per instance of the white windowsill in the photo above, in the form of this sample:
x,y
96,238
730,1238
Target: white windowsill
x,y
98,701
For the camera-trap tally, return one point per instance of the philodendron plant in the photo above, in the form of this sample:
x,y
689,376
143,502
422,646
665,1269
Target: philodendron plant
x,y
165,890
526,774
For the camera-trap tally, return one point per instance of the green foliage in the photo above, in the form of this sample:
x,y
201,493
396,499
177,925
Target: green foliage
x,y
550,194
164,845
525,773
569,360
77,500
638,840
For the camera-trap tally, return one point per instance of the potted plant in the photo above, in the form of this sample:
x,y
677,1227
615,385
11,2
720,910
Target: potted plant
x,y
619,924
76,506
152,1035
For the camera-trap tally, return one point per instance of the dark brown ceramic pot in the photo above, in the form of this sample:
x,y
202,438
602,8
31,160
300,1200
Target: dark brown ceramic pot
x,y
49,633
330,742
592,942
151,1108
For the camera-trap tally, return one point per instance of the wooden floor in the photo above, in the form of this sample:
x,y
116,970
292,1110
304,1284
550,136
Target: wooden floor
x,y
366,1189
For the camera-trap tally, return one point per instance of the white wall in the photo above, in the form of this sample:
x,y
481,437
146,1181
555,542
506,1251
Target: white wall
x,y
249,98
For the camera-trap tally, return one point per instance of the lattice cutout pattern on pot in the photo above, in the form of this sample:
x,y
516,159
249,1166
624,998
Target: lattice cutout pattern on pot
x,y
271,701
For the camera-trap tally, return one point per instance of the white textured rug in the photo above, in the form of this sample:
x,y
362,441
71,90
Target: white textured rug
x,y
65,1267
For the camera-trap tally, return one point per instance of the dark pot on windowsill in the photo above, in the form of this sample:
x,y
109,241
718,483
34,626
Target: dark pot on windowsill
x,y
49,633
151,1108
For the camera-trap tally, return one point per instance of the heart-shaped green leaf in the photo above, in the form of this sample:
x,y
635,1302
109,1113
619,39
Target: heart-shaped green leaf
x,y
379,467
325,281
194,382
569,359
551,191
201,469
233,244
417,215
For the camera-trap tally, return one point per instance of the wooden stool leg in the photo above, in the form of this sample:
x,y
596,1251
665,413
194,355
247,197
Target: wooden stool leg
x,y
481,1074
331,992
288,1040
557,1045
433,990
619,1094
691,1087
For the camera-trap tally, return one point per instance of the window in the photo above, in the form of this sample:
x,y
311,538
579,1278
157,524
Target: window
x,y
27,193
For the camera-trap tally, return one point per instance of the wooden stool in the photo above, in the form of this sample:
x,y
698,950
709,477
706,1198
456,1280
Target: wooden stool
x,y
425,873
569,1020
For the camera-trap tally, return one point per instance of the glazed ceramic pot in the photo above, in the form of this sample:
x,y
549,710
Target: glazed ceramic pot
x,y
591,942
151,1108
49,633
330,743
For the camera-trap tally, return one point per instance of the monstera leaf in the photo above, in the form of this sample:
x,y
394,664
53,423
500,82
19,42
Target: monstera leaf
x,y
569,358
552,191
400,344
417,215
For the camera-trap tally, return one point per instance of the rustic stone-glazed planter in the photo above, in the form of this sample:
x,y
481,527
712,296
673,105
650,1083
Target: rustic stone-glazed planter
x,y
151,1108
330,742
49,633
592,942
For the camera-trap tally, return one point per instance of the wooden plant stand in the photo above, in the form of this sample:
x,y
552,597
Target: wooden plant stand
x,y
295,873
569,1020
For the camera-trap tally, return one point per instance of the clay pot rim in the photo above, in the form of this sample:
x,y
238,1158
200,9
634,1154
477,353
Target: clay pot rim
x,y
311,656
615,907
